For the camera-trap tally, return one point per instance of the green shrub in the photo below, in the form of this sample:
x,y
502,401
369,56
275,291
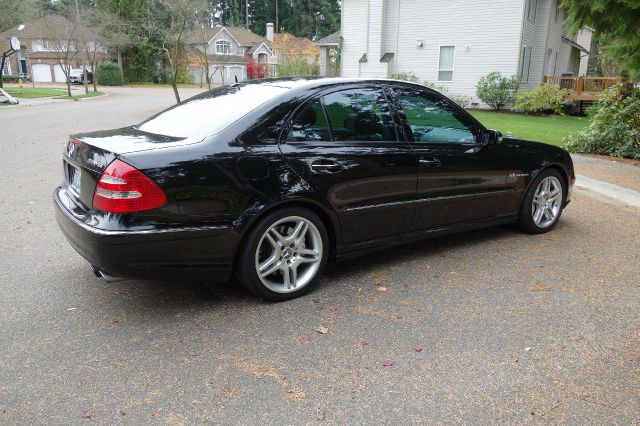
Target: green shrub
x,y
462,100
497,91
404,76
546,99
615,125
109,74
11,78
297,67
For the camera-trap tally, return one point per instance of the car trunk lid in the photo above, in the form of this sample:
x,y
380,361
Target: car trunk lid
x,y
86,156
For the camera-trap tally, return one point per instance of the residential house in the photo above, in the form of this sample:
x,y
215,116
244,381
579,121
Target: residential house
x,y
456,42
287,47
230,53
329,54
47,45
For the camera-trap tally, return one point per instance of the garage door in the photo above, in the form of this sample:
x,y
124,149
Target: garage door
x,y
59,74
233,73
41,72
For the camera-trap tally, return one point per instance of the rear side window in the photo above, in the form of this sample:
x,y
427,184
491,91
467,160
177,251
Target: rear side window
x,y
360,115
310,125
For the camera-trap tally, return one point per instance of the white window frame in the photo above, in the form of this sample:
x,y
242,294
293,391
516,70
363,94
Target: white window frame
x,y
529,9
523,60
7,67
225,50
452,70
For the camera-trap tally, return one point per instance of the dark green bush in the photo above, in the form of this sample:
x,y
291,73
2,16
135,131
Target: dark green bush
x,y
11,78
615,125
497,91
109,74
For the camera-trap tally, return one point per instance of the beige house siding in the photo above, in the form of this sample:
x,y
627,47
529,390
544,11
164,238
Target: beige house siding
x,y
487,36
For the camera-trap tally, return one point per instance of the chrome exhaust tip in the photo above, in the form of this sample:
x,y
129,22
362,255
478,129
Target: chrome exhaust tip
x,y
101,274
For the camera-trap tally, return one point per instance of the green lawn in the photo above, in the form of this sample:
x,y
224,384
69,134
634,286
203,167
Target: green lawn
x,y
551,129
40,92
91,94
34,92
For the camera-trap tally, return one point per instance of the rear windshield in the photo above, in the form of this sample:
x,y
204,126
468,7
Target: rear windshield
x,y
210,112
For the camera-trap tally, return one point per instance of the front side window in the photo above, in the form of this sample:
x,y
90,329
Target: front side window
x,y
310,125
433,120
445,67
360,115
223,47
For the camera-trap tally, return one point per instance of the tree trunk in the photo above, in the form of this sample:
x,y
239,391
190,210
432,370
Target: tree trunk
x,y
84,80
175,90
68,87
120,60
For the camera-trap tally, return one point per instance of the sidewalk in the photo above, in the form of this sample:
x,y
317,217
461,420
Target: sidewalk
x,y
613,179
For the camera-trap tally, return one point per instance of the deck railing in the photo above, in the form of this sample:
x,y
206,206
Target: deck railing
x,y
583,88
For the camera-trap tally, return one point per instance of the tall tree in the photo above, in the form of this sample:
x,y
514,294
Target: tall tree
x,y
617,21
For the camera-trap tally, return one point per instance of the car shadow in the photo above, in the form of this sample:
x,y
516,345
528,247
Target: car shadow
x,y
164,296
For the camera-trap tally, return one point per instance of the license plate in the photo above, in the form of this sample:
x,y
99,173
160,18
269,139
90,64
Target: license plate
x,y
74,177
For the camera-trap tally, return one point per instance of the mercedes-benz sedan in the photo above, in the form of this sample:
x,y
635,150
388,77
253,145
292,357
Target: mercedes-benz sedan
x,y
272,179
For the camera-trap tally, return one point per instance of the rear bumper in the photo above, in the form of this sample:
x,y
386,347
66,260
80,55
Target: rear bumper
x,y
201,253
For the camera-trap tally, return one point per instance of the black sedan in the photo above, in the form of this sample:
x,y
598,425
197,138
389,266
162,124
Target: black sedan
x,y
270,180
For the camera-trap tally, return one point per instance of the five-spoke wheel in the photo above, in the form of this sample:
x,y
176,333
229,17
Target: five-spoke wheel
x,y
543,204
288,254
283,254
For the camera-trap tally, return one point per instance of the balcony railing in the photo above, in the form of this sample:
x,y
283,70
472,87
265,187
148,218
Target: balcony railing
x,y
583,88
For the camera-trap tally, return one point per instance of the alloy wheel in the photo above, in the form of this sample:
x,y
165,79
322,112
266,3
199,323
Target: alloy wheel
x,y
289,254
547,202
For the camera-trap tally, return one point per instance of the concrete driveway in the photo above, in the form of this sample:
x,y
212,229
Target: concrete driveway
x,y
493,326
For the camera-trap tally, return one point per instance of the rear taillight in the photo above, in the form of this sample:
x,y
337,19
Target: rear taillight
x,y
124,189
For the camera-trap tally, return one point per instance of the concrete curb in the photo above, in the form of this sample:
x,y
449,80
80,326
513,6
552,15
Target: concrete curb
x,y
627,196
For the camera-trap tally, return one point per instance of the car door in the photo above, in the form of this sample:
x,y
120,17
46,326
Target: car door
x,y
460,179
345,144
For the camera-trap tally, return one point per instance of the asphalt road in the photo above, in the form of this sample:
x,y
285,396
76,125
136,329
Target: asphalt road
x,y
493,326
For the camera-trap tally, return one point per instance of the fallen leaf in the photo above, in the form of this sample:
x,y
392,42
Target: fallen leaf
x,y
153,413
306,339
398,317
193,353
382,289
296,394
87,414
365,343
388,362
322,330
417,348
527,349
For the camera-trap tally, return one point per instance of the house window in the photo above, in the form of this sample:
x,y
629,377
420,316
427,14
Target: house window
x,y
559,15
7,68
532,5
262,58
525,63
445,65
223,47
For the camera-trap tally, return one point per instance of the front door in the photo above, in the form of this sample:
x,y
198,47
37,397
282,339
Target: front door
x,y
459,178
345,144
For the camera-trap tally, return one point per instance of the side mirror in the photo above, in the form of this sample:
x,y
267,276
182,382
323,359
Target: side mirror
x,y
492,137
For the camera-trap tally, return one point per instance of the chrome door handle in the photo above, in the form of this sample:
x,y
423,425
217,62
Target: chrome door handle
x,y
430,162
325,165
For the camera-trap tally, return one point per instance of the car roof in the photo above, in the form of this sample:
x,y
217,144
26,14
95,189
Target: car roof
x,y
318,82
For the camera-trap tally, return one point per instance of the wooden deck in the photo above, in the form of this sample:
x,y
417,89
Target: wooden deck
x,y
583,88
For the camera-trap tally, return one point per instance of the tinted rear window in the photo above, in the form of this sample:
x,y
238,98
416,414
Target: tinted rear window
x,y
211,112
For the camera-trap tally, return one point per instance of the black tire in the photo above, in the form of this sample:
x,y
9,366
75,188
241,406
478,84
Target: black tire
x,y
526,220
246,262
